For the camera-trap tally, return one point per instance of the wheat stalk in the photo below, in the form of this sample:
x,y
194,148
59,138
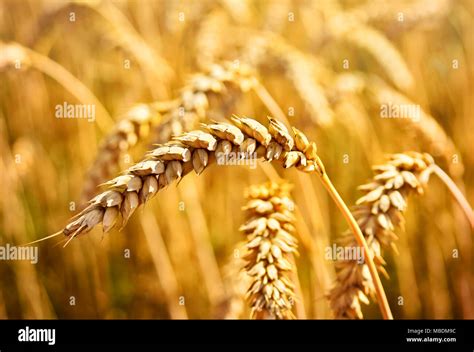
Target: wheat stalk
x,y
378,213
169,118
270,243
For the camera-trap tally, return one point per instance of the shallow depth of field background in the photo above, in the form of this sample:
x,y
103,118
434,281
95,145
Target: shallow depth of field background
x,y
180,243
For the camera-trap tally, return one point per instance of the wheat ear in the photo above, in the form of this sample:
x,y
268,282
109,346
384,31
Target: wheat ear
x,y
168,118
270,243
195,151
378,213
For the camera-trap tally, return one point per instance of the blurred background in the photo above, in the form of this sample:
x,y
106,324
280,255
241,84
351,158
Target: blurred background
x,y
328,64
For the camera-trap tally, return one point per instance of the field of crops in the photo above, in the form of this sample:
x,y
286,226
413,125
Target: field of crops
x,y
237,159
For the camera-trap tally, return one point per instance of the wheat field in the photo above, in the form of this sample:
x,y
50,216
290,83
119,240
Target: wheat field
x,y
236,159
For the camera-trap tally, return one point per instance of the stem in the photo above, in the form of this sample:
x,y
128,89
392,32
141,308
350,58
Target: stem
x,y
381,297
456,192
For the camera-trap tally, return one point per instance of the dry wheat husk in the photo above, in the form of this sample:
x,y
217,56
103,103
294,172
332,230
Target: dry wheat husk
x,y
270,244
194,150
379,212
168,118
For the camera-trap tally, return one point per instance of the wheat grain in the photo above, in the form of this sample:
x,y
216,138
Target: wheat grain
x,y
379,212
270,242
167,118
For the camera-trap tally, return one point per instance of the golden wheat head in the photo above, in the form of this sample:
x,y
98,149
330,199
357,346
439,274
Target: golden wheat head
x,y
379,212
195,150
270,246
